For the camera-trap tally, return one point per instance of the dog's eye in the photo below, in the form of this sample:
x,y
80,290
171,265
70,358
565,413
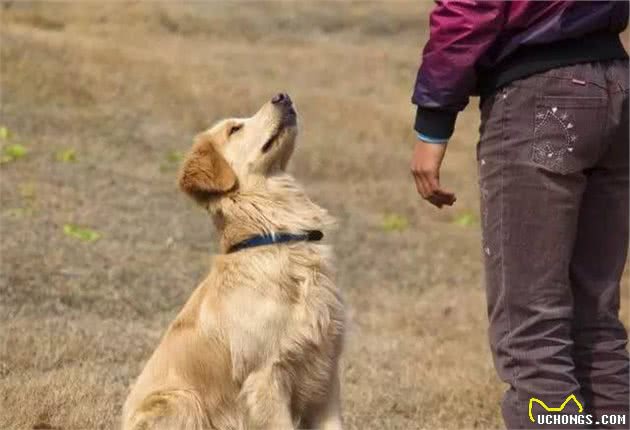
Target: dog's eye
x,y
234,129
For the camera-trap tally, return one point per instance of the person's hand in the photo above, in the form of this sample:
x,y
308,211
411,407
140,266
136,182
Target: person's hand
x,y
425,168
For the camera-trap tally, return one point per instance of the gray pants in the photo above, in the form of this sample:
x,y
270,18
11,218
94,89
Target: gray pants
x,y
553,168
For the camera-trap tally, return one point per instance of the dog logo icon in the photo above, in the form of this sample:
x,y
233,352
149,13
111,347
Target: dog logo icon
x,y
549,409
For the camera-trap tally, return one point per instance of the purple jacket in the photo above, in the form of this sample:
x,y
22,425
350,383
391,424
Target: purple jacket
x,y
499,41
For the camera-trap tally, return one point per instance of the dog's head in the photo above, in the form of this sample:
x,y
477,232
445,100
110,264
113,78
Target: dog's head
x,y
237,152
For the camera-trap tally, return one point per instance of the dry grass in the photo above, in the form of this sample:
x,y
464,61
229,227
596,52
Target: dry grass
x,y
126,85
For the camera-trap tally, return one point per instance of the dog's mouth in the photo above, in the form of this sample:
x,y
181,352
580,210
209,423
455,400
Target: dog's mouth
x,y
289,119
269,143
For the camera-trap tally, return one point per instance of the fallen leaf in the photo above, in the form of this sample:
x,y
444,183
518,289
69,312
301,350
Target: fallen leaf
x,y
171,161
27,190
174,156
394,222
4,133
67,156
13,152
18,212
81,233
464,220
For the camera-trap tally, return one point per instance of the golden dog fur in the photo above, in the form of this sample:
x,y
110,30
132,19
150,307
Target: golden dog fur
x,y
257,344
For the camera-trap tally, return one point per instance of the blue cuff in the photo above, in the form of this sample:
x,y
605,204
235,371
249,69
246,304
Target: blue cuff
x,y
430,139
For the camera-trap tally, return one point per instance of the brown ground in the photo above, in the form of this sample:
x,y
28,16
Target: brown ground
x,y
126,85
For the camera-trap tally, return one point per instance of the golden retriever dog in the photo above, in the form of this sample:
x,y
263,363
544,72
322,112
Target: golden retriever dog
x,y
257,345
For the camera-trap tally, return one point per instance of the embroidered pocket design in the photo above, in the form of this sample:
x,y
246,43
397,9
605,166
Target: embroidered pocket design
x,y
554,139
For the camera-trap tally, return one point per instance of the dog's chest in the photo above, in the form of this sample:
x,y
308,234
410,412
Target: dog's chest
x,y
277,311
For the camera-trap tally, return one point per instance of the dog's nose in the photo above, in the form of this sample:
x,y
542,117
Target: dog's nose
x,y
281,98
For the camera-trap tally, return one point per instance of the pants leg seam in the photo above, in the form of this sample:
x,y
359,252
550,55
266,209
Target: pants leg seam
x,y
504,136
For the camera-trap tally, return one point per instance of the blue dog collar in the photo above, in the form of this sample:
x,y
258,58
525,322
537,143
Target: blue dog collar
x,y
270,239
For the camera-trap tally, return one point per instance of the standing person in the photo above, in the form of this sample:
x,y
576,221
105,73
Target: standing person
x,y
553,174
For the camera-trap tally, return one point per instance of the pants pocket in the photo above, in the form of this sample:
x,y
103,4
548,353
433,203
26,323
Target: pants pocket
x,y
566,132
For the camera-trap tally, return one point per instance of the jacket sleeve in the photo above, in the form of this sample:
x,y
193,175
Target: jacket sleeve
x,y
461,32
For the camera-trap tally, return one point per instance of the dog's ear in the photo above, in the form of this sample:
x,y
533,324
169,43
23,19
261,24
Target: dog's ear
x,y
205,172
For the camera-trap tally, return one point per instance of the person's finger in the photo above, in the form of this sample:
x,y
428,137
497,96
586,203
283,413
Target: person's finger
x,y
430,178
430,195
434,180
437,193
437,188
428,187
418,182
